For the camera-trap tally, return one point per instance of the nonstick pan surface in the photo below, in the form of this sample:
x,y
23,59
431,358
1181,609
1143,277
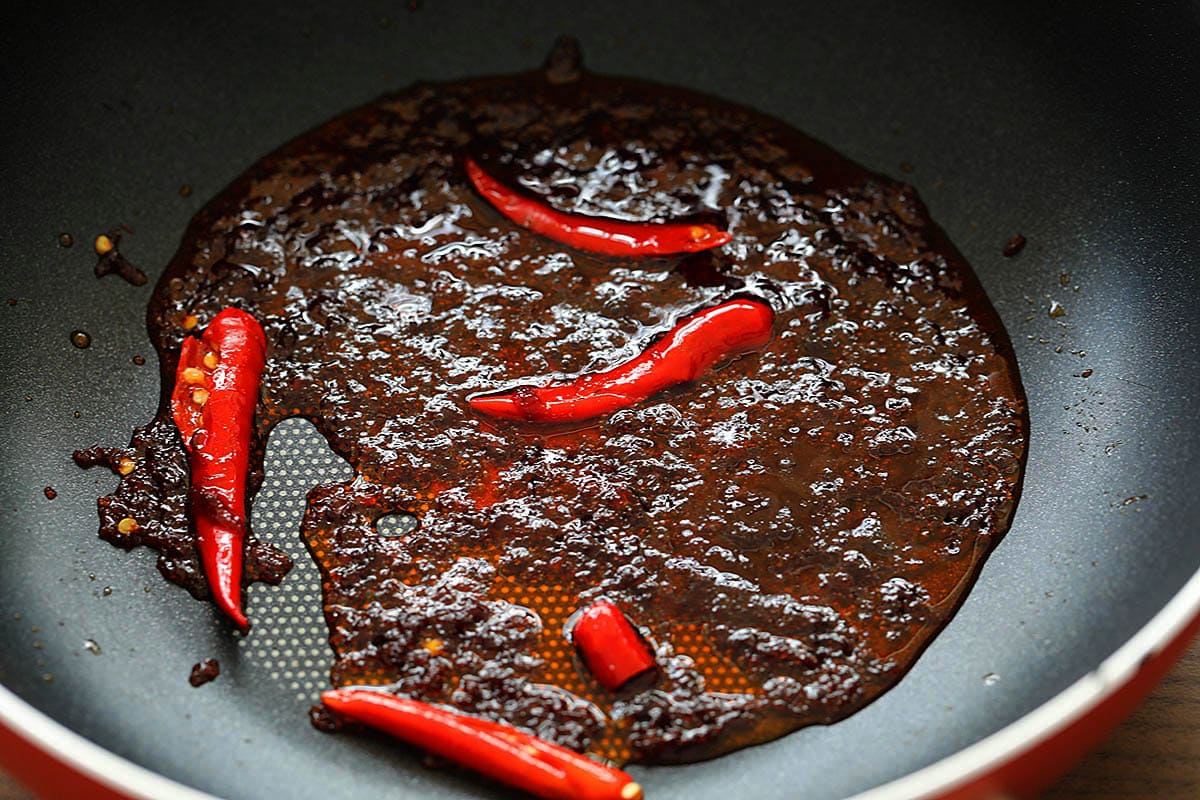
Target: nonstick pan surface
x,y
1079,128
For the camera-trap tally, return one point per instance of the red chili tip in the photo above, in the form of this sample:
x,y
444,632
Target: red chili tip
x,y
706,237
503,406
236,615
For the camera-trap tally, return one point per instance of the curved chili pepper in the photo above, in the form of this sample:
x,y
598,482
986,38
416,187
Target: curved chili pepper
x,y
610,646
491,748
216,390
595,234
691,347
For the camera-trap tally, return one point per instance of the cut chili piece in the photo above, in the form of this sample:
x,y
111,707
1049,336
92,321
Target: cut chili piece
x,y
611,648
213,402
595,234
491,748
690,348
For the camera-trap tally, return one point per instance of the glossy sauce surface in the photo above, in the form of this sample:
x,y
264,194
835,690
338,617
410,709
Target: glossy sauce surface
x,y
787,532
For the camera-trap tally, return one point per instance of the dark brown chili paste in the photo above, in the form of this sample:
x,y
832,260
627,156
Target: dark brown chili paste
x,y
789,531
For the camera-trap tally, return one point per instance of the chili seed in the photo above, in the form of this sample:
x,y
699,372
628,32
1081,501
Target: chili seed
x,y
127,525
193,375
103,245
190,321
200,396
126,466
210,360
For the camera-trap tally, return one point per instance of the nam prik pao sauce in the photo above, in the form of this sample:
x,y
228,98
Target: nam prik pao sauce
x,y
786,533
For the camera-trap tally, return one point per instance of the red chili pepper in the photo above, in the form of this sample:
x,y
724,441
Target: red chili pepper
x,y
491,748
610,646
691,347
216,390
596,234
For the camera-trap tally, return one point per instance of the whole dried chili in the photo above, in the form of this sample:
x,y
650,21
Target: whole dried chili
x,y
216,391
690,348
491,748
595,234
611,648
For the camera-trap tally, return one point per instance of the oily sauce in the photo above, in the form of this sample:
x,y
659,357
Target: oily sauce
x,y
787,532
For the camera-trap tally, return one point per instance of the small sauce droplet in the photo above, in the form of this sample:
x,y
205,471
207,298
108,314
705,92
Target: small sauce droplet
x,y
991,679
91,646
1014,245
81,339
50,493
65,240
565,62
1056,310
205,671
139,360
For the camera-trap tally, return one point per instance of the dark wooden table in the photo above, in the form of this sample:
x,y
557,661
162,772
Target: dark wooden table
x,y
1155,755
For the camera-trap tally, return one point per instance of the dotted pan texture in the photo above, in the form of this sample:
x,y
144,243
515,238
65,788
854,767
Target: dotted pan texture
x,y
290,640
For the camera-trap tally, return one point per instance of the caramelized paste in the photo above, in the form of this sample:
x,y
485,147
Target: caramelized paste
x,y
787,532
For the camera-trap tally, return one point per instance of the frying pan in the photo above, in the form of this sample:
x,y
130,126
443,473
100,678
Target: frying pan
x,y
1079,128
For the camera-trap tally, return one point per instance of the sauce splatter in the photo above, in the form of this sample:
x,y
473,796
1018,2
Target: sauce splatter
x,y
204,672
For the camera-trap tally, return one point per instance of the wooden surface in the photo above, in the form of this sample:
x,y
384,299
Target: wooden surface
x,y
1154,755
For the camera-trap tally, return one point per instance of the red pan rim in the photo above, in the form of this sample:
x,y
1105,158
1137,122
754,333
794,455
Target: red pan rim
x,y
1164,636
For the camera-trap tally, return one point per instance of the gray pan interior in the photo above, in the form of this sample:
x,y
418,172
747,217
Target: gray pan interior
x,y
1078,128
